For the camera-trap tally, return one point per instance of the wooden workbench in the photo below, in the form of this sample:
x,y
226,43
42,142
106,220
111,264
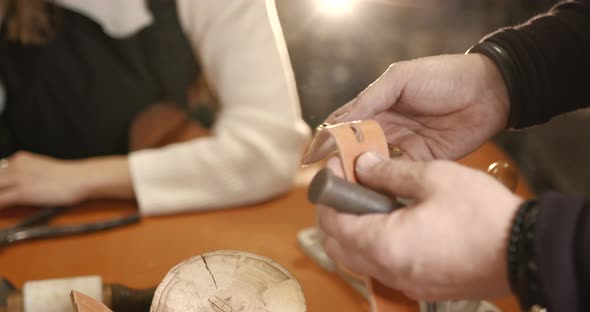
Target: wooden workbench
x,y
140,255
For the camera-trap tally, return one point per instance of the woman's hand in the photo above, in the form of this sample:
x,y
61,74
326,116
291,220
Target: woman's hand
x,y
440,107
451,243
32,179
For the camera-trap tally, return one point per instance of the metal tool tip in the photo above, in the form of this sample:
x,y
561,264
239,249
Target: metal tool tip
x,y
318,185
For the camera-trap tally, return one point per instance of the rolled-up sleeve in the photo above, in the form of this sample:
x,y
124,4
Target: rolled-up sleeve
x,y
259,135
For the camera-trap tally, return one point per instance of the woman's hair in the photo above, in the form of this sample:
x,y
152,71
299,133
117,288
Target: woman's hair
x,y
28,21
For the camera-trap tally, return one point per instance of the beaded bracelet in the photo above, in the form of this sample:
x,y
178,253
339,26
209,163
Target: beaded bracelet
x,y
522,267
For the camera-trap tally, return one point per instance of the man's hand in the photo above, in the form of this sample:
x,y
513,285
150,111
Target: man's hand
x,y
32,179
450,243
440,107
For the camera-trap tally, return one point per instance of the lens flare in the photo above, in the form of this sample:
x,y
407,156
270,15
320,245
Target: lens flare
x,y
336,7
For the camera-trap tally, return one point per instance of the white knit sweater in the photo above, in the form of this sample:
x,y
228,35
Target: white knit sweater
x,y
259,134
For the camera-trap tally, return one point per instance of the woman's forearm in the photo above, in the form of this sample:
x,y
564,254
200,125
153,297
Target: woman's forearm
x,y
105,177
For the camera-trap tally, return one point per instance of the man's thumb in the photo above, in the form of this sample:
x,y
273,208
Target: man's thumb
x,y
397,177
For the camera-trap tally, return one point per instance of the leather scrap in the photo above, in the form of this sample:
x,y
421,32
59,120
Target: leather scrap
x,y
84,303
348,141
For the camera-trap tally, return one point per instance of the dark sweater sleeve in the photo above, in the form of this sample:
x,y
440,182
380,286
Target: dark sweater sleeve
x,y
545,63
562,244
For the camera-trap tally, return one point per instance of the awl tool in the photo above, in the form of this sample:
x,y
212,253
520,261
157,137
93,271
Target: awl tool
x,y
330,190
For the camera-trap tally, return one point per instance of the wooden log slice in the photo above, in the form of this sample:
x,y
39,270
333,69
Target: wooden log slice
x,y
228,281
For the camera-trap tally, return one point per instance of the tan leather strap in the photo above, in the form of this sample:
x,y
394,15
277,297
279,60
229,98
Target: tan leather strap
x,y
350,140
356,138
84,303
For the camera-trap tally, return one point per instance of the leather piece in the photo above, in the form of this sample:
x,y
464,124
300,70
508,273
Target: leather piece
x,y
349,140
84,303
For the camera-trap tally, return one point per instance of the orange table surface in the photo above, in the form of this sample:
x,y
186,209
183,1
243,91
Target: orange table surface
x,y
140,255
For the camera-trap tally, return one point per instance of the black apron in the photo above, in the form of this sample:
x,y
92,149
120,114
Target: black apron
x,y
76,95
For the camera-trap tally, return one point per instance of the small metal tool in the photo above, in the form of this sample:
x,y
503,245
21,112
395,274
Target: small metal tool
x,y
330,190
35,226
5,288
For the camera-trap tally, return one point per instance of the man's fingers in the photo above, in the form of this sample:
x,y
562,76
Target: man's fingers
x,y
340,114
399,177
333,223
414,147
376,98
353,231
348,259
6,178
379,96
8,197
335,165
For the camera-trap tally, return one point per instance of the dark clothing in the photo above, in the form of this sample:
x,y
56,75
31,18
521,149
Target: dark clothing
x,y
546,65
550,58
562,244
76,95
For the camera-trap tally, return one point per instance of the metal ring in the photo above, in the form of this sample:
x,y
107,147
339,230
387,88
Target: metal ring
x,y
3,163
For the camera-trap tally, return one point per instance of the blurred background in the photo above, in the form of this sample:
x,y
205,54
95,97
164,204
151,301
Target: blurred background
x,y
338,47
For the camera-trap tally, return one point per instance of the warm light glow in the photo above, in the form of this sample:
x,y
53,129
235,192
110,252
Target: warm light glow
x,y
336,7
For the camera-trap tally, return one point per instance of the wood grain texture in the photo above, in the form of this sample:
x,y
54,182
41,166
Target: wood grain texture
x,y
228,281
